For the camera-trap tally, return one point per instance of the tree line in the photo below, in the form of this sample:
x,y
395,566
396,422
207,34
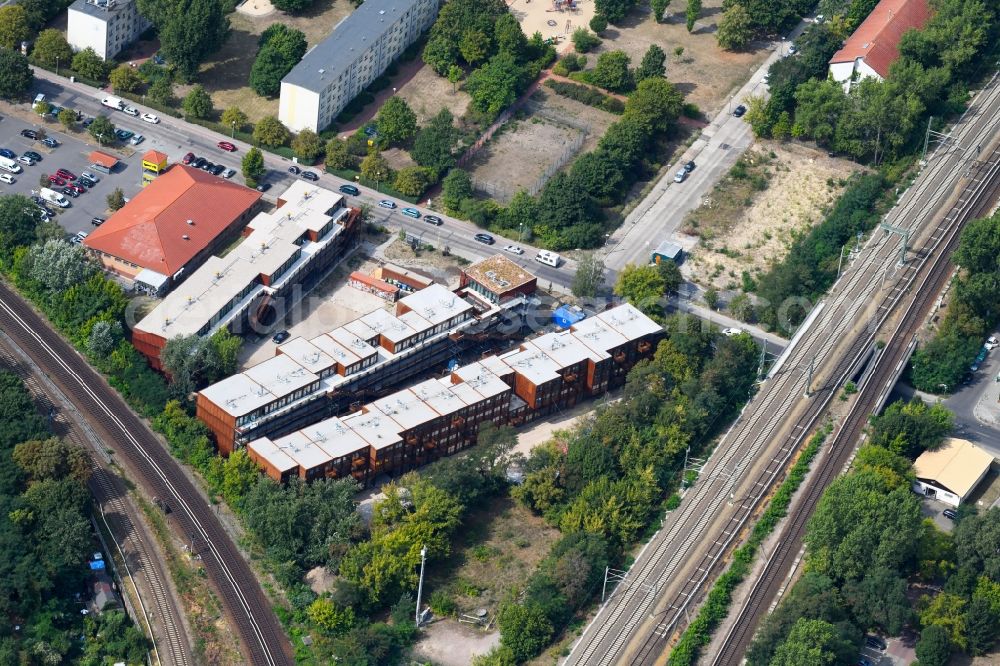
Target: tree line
x,y
940,365
868,551
45,538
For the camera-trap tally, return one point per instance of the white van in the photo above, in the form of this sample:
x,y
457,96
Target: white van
x,y
54,197
8,164
548,258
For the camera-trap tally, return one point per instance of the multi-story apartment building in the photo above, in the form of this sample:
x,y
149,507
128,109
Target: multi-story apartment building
x,y
358,50
283,253
107,26
441,416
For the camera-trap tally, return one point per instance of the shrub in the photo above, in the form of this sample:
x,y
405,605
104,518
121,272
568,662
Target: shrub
x,y
584,41
598,24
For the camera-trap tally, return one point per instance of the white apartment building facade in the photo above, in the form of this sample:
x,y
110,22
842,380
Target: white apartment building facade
x,y
358,51
107,26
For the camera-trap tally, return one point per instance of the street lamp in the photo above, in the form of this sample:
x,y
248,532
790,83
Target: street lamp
x,y
234,129
57,65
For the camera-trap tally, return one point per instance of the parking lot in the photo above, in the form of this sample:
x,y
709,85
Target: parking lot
x,y
71,155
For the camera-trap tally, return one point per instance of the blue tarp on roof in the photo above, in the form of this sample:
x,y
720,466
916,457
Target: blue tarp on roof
x,y
567,315
96,565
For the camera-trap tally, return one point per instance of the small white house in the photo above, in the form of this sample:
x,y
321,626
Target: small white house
x,y
950,473
107,26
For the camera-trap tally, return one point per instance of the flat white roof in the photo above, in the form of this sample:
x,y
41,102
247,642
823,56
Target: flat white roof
x,y
281,375
406,409
439,395
566,349
302,450
374,427
479,377
436,303
533,364
352,342
335,350
387,325
336,438
307,354
238,394
597,334
629,322
275,456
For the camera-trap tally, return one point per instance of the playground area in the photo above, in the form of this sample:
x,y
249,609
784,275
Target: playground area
x,y
555,19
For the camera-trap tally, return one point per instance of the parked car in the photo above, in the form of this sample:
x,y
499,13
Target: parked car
x,y
188,158
131,111
689,167
24,159
86,182
433,219
208,166
731,331
64,173
97,221
123,134
226,146
264,187
992,343
875,642
350,189
385,203
739,111
411,212
514,249
229,173
486,239
79,189
50,142
294,170
310,175
150,118
91,177
199,162
950,514
137,139
280,337
29,134
56,180
70,192
87,122
792,49
9,154
33,155
7,178
680,176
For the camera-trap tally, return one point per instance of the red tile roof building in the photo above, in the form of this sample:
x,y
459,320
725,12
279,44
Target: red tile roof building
x,y
173,225
874,46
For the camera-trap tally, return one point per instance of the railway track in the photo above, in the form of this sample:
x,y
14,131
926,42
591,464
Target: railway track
x,y
937,251
753,438
159,474
119,517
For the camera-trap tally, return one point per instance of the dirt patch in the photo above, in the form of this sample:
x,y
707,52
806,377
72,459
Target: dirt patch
x,y
496,550
448,642
226,74
527,151
706,74
398,159
743,229
445,269
543,16
427,93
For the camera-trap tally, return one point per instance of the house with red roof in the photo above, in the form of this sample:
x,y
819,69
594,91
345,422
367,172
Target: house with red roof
x,y
170,227
874,46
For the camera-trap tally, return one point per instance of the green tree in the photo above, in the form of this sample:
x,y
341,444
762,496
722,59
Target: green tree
x,y
87,63
910,428
104,338
51,48
253,165
434,144
495,85
934,647
691,13
14,27
711,297
642,286
292,6
979,246
454,20
102,129
454,76
161,91
396,121
652,65
982,619
975,542
124,79
15,74
337,155
612,72
307,146
509,37
655,104
599,174
524,630
741,307
456,187
879,600
735,28
329,617
281,48
589,276
584,41
42,108
269,131
614,10
376,167
116,200
198,103
189,30
412,181
521,214
819,106
659,8
598,23
671,274
52,458
57,265
813,642
67,118
234,117
474,46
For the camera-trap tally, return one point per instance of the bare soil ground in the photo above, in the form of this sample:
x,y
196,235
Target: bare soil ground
x,y
427,93
448,642
444,269
743,229
705,73
541,16
226,75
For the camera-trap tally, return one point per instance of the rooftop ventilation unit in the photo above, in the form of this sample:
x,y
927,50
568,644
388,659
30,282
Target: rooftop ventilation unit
x,y
186,237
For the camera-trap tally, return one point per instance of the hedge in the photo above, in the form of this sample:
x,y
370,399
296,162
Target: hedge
x,y
716,607
67,72
587,95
